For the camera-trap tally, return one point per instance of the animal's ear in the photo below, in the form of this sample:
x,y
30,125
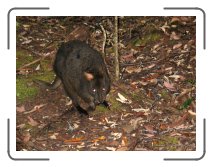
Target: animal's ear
x,y
89,76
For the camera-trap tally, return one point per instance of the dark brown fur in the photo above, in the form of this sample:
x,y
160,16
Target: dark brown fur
x,y
83,74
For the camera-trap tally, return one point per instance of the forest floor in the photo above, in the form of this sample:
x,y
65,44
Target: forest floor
x,y
152,106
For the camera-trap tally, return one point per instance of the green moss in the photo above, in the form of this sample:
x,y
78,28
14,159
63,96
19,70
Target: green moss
x,y
164,94
152,37
46,65
26,90
23,57
47,76
168,142
136,96
23,89
101,108
191,81
115,105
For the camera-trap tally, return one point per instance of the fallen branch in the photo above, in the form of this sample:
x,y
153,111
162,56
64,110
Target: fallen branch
x,y
29,64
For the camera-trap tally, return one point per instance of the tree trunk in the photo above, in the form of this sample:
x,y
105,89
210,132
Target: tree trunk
x,y
116,49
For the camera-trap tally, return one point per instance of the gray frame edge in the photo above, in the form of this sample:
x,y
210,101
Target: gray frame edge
x,y
204,19
193,159
8,19
8,148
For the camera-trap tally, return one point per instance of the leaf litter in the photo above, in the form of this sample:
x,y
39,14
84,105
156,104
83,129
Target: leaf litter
x,y
153,106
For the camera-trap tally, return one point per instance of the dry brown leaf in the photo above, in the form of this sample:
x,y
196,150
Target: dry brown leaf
x,y
27,137
37,107
177,77
54,136
74,140
169,86
20,109
132,69
175,19
149,128
99,138
32,122
174,36
177,46
164,27
122,99
191,112
149,135
123,148
179,121
21,126
128,57
143,83
149,67
111,148
144,110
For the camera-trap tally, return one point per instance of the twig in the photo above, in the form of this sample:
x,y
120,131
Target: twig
x,y
104,40
29,64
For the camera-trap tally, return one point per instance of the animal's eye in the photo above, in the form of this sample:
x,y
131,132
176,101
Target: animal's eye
x,y
94,90
103,89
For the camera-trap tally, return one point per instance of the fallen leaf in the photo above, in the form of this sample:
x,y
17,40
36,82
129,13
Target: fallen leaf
x,y
111,148
82,145
135,122
169,86
32,122
43,45
128,57
149,128
21,126
149,135
164,27
74,140
27,137
132,69
175,19
191,112
99,138
20,109
174,36
124,141
177,77
26,25
179,122
122,99
38,68
128,128
27,41
140,109
116,135
37,107
177,46
143,83
54,136
149,67
123,148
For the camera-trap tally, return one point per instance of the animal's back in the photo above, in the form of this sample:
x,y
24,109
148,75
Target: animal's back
x,y
74,57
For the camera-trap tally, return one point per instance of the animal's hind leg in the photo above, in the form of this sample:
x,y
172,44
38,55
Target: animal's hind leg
x,y
74,97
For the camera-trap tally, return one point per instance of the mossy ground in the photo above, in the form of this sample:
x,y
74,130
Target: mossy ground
x,y
148,38
25,89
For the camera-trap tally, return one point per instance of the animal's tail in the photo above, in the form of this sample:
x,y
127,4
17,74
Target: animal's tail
x,y
51,86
